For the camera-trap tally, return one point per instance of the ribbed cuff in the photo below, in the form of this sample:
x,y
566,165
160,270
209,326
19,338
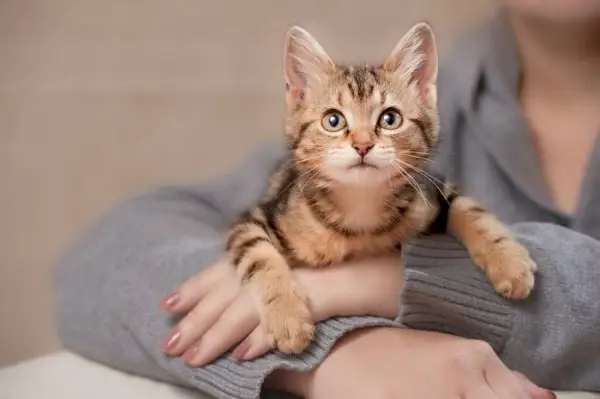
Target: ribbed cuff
x,y
228,379
445,292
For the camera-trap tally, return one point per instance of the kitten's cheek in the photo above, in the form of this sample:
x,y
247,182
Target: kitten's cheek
x,y
330,167
330,172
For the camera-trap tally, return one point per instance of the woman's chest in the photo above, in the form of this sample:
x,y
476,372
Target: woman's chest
x,y
564,157
517,190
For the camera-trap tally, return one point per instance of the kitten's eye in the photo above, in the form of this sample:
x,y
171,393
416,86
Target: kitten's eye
x,y
390,119
333,121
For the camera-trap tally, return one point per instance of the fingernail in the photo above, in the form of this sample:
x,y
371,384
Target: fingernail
x,y
248,355
191,354
171,341
240,352
170,301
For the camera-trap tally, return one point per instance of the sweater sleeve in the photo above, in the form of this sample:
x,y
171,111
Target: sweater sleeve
x,y
552,337
110,281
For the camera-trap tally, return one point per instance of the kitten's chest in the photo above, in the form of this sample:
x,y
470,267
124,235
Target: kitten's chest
x,y
320,246
362,215
324,235
359,209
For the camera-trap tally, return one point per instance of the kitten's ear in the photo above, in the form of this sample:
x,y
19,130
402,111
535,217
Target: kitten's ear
x,y
305,61
415,59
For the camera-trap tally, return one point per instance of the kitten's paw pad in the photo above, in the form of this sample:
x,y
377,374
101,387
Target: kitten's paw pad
x,y
510,269
290,325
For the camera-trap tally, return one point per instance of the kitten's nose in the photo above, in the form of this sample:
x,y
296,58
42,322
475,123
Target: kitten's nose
x,y
362,149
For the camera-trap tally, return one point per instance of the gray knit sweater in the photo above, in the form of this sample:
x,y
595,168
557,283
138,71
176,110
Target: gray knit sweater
x,y
111,279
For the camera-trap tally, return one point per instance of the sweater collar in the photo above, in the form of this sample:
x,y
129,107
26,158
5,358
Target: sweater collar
x,y
493,113
489,103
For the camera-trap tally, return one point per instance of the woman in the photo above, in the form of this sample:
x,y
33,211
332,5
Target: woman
x,y
519,103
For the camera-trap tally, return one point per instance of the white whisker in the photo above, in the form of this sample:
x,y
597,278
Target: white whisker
x,y
308,181
413,183
294,181
432,179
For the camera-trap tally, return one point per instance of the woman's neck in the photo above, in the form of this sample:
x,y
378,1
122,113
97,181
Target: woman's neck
x,y
560,97
560,59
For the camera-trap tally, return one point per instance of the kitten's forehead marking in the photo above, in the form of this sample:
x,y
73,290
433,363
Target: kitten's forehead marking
x,y
360,93
361,81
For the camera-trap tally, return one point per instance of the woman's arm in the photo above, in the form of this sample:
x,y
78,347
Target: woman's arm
x,y
400,363
552,337
110,282
446,293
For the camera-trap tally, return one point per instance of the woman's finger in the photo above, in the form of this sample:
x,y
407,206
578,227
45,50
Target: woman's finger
x,y
256,344
480,390
201,318
190,292
535,391
236,323
504,383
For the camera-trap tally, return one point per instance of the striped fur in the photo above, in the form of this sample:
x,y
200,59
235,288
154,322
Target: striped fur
x,y
319,212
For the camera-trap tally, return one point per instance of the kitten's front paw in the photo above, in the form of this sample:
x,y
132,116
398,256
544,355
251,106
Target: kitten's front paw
x,y
509,268
289,323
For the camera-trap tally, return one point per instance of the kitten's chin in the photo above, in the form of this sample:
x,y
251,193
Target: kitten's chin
x,y
359,176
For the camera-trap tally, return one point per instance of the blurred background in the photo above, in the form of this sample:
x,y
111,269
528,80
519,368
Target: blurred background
x,y
100,100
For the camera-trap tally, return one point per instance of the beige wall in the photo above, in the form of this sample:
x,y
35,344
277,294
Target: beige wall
x,y
101,99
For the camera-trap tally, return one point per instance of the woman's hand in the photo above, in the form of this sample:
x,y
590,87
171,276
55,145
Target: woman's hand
x,y
397,363
219,313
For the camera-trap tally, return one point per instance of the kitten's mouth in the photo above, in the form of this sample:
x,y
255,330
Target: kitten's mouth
x,y
363,165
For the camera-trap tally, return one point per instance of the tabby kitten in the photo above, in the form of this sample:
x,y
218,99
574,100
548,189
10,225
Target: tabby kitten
x,y
354,185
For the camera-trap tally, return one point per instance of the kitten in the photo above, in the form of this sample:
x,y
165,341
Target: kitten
x,y
354,185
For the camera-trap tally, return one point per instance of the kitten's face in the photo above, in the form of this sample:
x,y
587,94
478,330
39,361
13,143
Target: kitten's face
x,y
363,125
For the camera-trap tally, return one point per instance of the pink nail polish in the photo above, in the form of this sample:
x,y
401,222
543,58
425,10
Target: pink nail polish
x,y
240,351
170,342
191,354
170,301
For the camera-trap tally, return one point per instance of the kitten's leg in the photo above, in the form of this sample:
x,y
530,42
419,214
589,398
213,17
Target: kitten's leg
x,y
263,269
491,246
